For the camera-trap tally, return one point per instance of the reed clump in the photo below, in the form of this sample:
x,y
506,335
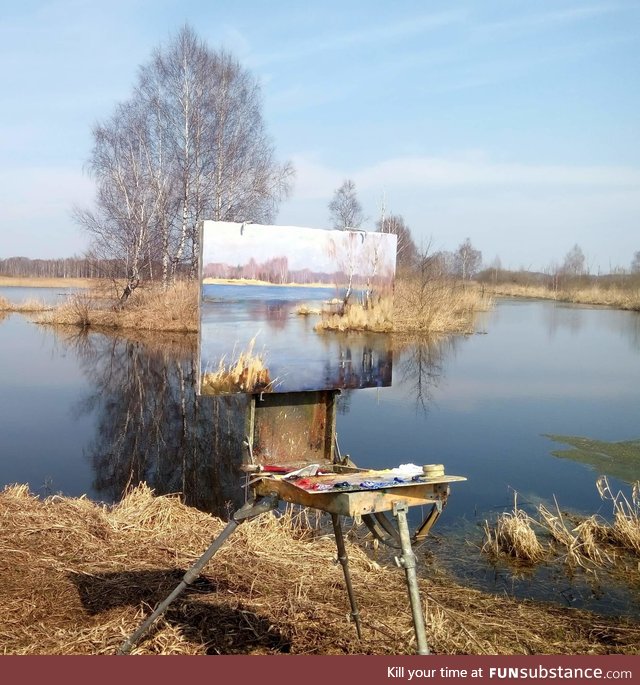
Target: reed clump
x,y
29,306
513,535
625,531
586,542
377,317
436,306
151,308
580,543
79,577
247,373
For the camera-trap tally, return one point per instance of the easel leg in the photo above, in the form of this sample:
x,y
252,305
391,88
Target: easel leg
x,y
408,562
344,560
249,510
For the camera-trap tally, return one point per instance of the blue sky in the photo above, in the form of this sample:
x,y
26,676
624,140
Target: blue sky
x,y
515,124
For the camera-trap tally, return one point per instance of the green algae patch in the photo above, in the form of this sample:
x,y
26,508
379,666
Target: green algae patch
x,y
617,459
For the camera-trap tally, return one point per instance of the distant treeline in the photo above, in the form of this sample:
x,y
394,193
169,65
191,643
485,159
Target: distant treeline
x,y
276,270
75,267
69,267
557,279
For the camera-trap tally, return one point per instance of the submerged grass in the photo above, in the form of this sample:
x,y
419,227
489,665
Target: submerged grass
x,y
618,459
79,577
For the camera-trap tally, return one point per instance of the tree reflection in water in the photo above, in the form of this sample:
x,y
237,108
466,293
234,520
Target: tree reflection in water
x,y
153,428
421,363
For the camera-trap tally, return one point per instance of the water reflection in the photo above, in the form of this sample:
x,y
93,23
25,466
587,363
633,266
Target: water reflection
x,y
562,317
151,426
421,365
362,366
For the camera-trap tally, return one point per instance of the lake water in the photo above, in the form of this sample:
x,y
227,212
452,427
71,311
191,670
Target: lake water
x,y
236,319
91,414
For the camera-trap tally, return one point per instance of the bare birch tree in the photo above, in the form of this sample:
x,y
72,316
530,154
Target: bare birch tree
x,y
202,153
345,210
467,260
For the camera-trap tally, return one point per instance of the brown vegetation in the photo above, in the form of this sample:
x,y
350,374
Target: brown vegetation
x,y
586,542
151,308
356,317
514,536
247,373
436,306
33,282
78,578
590,294
26,307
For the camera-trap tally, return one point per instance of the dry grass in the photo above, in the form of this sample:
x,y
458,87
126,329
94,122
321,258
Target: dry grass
x,y
378,318
32,282
620,298
304,310
437,306
580,543
625,531
247,373
514,536
78,578
585,542
151,308
28,306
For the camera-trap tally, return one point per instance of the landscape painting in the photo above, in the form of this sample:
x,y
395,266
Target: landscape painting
x,y
290,309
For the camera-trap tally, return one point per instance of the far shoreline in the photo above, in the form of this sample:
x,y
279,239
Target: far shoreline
x,y
256,282
46,282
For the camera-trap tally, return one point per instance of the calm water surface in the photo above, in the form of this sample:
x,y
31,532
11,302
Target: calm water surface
x,y
264,319
90,414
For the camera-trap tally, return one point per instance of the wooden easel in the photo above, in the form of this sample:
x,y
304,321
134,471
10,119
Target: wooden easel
x,y
292,431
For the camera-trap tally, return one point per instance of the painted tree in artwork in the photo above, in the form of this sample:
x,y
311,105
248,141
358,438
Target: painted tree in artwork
x,y
345,250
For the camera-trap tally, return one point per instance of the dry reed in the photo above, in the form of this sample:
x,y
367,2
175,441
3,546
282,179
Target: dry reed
x,y
304,310
79,577
247,373
436,306
625,531
44,282
376,318
580,542
26,307
620,298
151,308
514,536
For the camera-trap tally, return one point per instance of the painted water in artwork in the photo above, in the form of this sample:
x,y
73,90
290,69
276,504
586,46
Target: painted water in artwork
x,y
279,305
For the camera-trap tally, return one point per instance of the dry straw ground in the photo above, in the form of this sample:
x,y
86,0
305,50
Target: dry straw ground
x,y
77,578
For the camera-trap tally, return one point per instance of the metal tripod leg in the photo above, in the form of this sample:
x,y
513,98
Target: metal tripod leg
x,y
344,560
248,511
408,562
